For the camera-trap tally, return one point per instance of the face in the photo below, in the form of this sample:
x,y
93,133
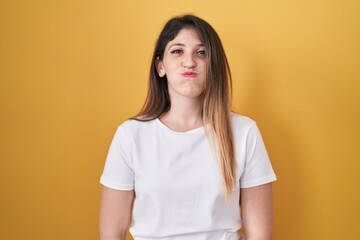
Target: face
x,y
184,64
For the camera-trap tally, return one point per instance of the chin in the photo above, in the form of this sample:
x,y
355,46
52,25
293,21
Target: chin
x,y
193,95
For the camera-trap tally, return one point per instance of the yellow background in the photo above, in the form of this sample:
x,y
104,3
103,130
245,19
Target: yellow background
x,y
71,71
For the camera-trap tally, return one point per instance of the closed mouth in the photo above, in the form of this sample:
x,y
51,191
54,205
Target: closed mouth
x,y
189,74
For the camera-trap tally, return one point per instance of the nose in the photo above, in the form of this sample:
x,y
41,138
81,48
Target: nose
x,y
189,61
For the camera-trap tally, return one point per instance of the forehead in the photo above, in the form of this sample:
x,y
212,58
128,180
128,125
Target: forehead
x,y
186,36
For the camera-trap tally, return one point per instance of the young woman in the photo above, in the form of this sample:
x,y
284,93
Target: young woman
x,y
190,167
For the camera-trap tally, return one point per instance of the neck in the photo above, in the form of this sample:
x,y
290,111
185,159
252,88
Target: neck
x,y
184,115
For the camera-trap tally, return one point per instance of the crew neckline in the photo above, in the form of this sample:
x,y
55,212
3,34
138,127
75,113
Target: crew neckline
x,y
192,131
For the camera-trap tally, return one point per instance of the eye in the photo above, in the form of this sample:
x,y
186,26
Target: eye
x,y
201,53
176,51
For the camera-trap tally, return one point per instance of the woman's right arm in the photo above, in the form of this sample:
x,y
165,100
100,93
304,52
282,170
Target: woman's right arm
x,y
115,213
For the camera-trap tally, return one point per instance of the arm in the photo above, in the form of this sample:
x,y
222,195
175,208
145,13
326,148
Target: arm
x,y
115,213
257,212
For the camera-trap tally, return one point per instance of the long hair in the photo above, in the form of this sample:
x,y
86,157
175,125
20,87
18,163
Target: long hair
x,y
216,96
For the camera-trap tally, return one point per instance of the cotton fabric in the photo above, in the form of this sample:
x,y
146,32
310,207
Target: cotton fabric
x,y
177,181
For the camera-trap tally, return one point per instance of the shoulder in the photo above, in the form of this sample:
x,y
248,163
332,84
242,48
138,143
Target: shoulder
x,y
133,125
241,122
131,131
133,128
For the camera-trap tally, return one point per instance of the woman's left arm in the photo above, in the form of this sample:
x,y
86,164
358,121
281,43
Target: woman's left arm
x,y
257,212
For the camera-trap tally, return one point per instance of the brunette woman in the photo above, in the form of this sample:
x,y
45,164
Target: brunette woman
x,y
191,168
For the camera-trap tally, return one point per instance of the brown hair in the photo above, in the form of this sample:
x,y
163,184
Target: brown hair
x,y
216,103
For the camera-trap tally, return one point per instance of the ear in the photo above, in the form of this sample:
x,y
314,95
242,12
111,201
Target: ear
x,y
160,67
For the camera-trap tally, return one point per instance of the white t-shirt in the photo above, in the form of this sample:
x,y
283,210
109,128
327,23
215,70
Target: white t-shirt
x,y
177,182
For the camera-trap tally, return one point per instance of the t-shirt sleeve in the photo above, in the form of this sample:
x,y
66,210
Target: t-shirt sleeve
x,y
118,172
257,169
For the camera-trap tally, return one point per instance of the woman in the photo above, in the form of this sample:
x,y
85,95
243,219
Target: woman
x,y
186,162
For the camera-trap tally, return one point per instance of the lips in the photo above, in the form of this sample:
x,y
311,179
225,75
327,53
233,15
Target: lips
x,y
189,74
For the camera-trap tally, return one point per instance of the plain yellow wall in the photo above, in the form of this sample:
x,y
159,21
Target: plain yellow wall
x,y
71,71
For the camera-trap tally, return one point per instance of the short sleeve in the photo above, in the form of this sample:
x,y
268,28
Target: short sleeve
x,y
118,173
257,169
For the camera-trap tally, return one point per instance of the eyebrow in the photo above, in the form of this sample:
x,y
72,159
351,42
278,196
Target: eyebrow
x,y
183,45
